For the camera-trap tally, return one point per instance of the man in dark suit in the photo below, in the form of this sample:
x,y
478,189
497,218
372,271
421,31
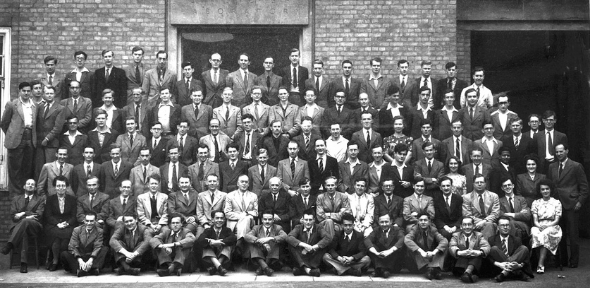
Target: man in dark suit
x,y
340,114
426,136
197,114
172,246
473,116
547,140
402,174
83,171
516,209
247,140
113,172
275,144
366,138
295,75
306,140
74,141
78,106
109,136
218,242
534,124
457,145
278,201
392,110
138,111
322,167
520,145
93,201
112,78
82,75
350,86
172,110
427,247
421,112
501,172
376,85
572,189
429,170
448,208
269,83
445,117
115,119
50,119
404,83
231,169
135,72
85,253
510,258
129,244
52,78
347,253
502,118
366,107
184,202
117,207
131,142
307,243
260,174
451,82
302,202
320,83
203,167
475,167
171,171
265,242
214,82
157,145
388,203
385,246
187,145
183,88
425,80
351,168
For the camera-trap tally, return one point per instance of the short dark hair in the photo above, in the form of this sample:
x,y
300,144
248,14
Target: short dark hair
x,y
186,63
309,211
175,215
392,89
316,61
425,62
248,116
445,178
50,58
346,61
61,178
217,211
162,52
400,148
137,48
81,53
402,61
376,59
347,217
23,85
423,213
155,177
450,65
548,113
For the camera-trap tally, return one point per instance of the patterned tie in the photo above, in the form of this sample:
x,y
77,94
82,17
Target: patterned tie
x,y
516,142
247,148
482,207
403,84
88,170
61,169
124,203
267,232
293,168
232,165
262,176
144,174
116,170
368,138
201,168
306,142
425,82
50,80
321,165
458,148
45,111
504,247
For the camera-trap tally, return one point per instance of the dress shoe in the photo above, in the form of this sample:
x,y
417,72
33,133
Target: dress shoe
x,y
573,265
6,249
163,272
355,272
211,270
332,270
298,271
268,271
81,273
119,271
259,271
314,272
500,278
386,274
23,268
134,271
52,267
466,277
429,274
221,271
473,278
437,274
94,271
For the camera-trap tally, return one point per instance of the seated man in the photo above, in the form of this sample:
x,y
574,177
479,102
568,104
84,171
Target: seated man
x,y
172,246
292,169
516,209
209,201
85,253
348,253
508,255
469,247
184,202
93,201
241,208
385,244
429,170
362,207
448,209
277,201
302,201
307,243
427,247
26,211
119,206
151,207
331,205
129,243
218,242
388,203
264,243
482,206
415,204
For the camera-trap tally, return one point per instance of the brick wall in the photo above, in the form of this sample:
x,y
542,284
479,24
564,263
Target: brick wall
x,y
464,54
415,30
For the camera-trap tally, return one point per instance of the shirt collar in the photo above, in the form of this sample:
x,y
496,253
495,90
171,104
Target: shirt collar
x,y
104,107
77,133
83,70
419,108
373,77
389,106
108,130
429,139
296,159
394,165
164,104
320,156
484,139
31,103
356,162
454,109
457,138
373,164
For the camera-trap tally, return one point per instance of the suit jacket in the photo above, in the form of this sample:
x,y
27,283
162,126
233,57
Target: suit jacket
x,y
13,123
76,149
386,121
139,184
48,173
209,168
274,154
230,126
185,238
318,236
240,139
393,208
241,94
498,175
132,81
442,128
280,207
222,144
302,75
366,149
342,247
53,216
132,242
434,240
297,207
199,124
186,207
227,236
378,239
102,152
188,153
500,133
441,88
79,177
477,242
110,182
83,112
260,122
571,184
275,231
415,90
86,84
130,151
166,185
317,179
528,188
347,178
348,120
270,94
144,209
414,121
159,152
36,207
117,82
526,146
407,175
174,117
405,90
114,209
181,94
228,178
317,118
116,123
472,127
307,153
469,173
418,153
374,177
352,98
205,205
327,209
57,81
377,93
258,186
466,146
491,204
324,93
521,209
151,84
489,157
421,172
50,125
412,204
289,119
450,216
514,243
541,140
362,208
98,203
129,111
235,206
85,243
213,91
291,180
374,112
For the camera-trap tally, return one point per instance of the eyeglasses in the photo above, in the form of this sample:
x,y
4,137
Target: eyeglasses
x,y
216,60
72,123
74,87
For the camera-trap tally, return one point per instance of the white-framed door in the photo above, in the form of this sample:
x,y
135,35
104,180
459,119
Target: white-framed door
x,y
4,98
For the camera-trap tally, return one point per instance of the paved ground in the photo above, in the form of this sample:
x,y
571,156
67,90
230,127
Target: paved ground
x,y
579,277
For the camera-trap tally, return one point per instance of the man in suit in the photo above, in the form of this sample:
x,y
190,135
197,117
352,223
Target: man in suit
x,y
135,72
187,145
489,145
277,200
385,246
197,114
308,242
82,75
85,253
483,206
248,139
366,138
457,145
404,83
350,86
366,107
426,137
50,119
484,98
475,167
18,123
269,83
129,244
183,88
347,253
376,85
172,171
275,143
320,83
26,211
184,202
425,80
138,111
113,172
114,116
450,83
140,173
120,206
510,258
401,173
295,75
218,242
388,203
416,204
173,246
445,117
572,189
152,209
53,169
131,142
286,113
83,171
473,116
534,124
165,112
214,82
241,208
469,247
229,116
516,209
74,141
108,136
376,174
157,145
231,169
78,106
302,201
217,141
500,172
331,205
429,170
94,201
199,171
502,118
157,78
260,174
311,109
340,114
209,201
422,111
362,207
427,247
257,109
241,81
547,140
265,241
520,145
351,168
52,78
293,169
392,110
112,78
322,167
306,140
448,209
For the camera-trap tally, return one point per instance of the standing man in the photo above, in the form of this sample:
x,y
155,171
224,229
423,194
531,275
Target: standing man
x,y
376,171
286,113
322,167
457,145
101,137
295,75
376,85
135,73
52,78
474,167
53,169
157,79
187,145
82,75
339,114
402,173
351,168
534,123
257,109
421,112
547,140
306,139
429,169
336,144
78,106
19,126
311,109
260,174
241,81
269,83
404,83
157,145
172,171
472,115
228,115
424,81
113,172
275,143
484,97
137,109
366,107
131,142
114,116
112,78
350,86
444,118
489,145
502,118
216,141
214,82
367,138
197,114
165,112
83,172
50,117
231,170
520,145
183,88
450,83
248,139
203,167
320,84
292,170
140,173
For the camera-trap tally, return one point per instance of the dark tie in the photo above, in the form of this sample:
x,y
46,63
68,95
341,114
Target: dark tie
x,y
308,236
26,203
216,149
201,168
131,139
321,165
482,207
188,86
88,171
504,247
61,169
91,200
560,170
50,80
346,88
262,173
116,170
339,108
477,93
212,197
448,205
425,82
467,242
107,75
196,111
368,138
181,142
306,142
429,165
46,109
137,107
476,170
246,79
403,84
174,180
274,198
247,148
155,143
268,82
137,75
295,77
144,174
293,168
75,105
457,149
550,144
227,113
124,203
317,83
471,112
305,201
425,239
388,199
215,77
450,84
511,204
267,232
516,142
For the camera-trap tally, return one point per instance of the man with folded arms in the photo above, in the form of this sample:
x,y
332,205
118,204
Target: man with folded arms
x,y
264,243
172,246
469,247
218,242
384,245
307,243
348,253
427,247
129,243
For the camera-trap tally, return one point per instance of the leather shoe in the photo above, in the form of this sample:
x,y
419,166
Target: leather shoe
x,y
500,278
6,249
134,271
429,274
473,278
259,271
81,273
355,272
52,267
332,270
211,270
119,271
268,271
466,277
573,265
314,272
297,271
437,274
163,272
385,274
172,268
23,268
94,271
221,271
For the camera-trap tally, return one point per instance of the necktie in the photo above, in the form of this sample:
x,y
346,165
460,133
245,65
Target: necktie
x,y
403,84
425,239
216,149
188,86
339,109
217,232
308,236
155,143
274,197
116,169
256,111
305,201
550,144
262,176
560,170
478,93
46,109
232,165
201,168
295,77
306,142
160,76
247,148
471,112
346,88
268,82
106,77
88,170
137,75
174,179
215,77
420,202
131,139
50,80
504,247
267,232
75,105
511,204
482,207
458,149
243,203
144,174
246,79
429,165
516,142
227,113
91,200
388,199
124,203
137,107
425,82
61,169
317,83
181,142
185,196
448,204
212,197
321,165
476,170
293,168
450,83
26,203
196,111
368,138
467,242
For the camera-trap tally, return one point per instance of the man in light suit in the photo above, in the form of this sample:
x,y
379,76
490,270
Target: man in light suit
x,y
416,204
187,145
269,83
152,209
129,244
260,174
197,114
483,206
320,83
264,242
52,78
18,123
376,172
199,171
228,115
331,205
457,145
139,174
172,246
362,207
351,86
138,109
340,114
184,202
157,78
113,172
82,75
473,116
311,109
306,140
502,118
259,110
112,78
366,138
427,247
94,201
53,169
286,113
216,141
50,119
131,142
429,170
469,247
445,117
135,72
214,82
294,76
171,171
183,88
351,168
208,201
545,138
376,85
572,189
241,208
83,171
231,169
85,253
117,207
78,106
292,170
484,98
450,83
241,81
322,167
248,139
489,145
